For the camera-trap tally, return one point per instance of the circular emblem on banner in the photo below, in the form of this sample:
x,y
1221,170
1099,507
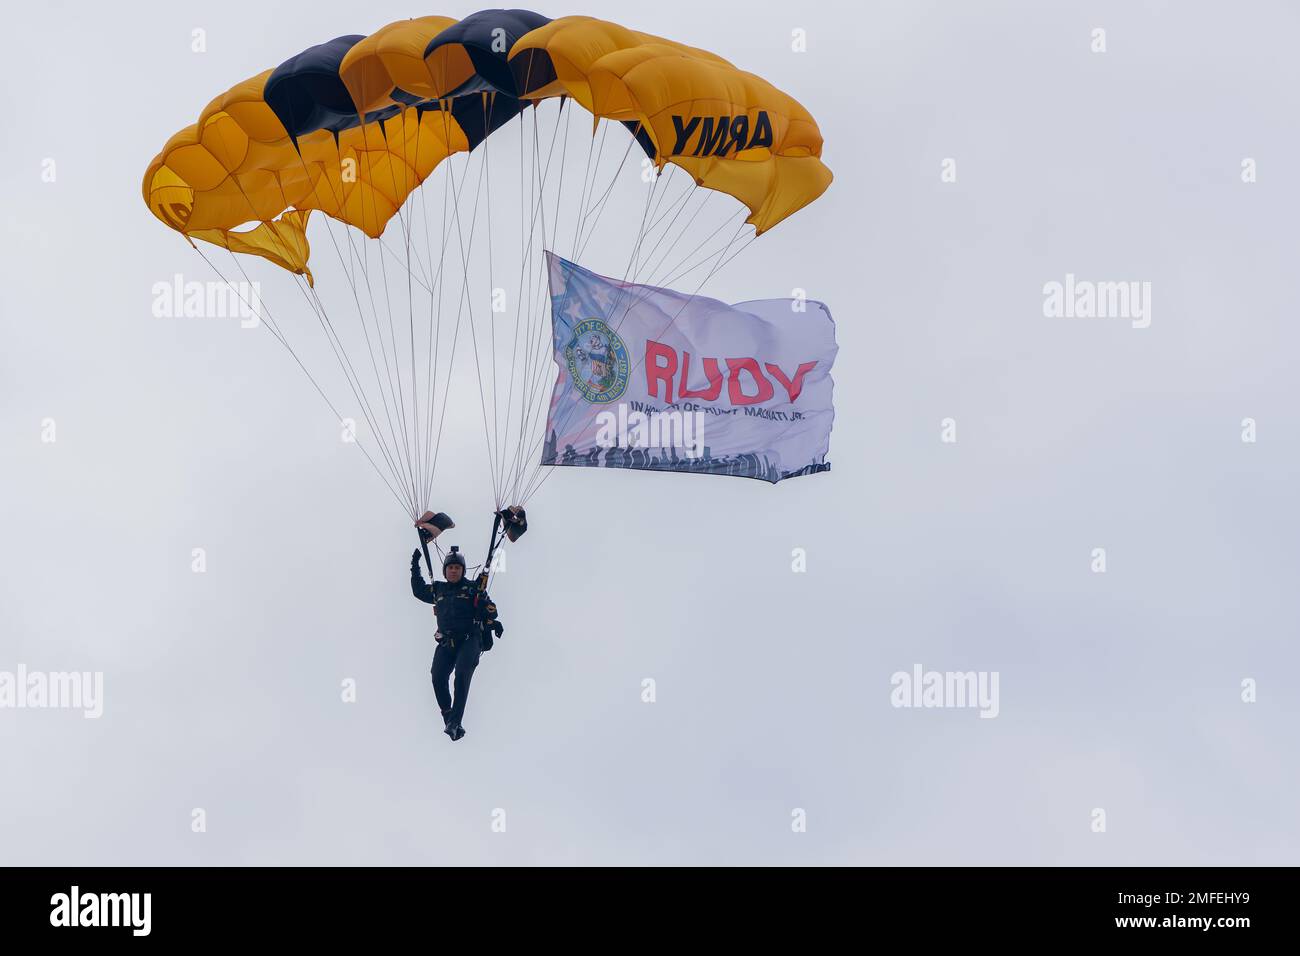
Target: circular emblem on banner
x,y
597,361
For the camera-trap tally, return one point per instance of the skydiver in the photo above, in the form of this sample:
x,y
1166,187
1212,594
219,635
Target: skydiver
x,y
467,619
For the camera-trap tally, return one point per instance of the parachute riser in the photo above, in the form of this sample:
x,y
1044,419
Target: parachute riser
x,y
424,546
492,550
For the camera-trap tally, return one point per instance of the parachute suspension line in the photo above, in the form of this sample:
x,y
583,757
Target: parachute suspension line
x,y
538,400
395,472
531,206
526,214
350,273
489,101
386,394
467,303
628,274
411,460
675,210
399,390
530,259
349,371
584,211
538,325
738,251
410,293
536,407
366,411
533,398
537,282
655,269
422,456
435,338
410,427
455,216
428,461
434,331
450,191
270,323
702,243
675,207
422,280
345,362
676,277
647,231
599,209
723,264
541,176
587,181
535,211
710,275
637,299
379,381
524,243
525,208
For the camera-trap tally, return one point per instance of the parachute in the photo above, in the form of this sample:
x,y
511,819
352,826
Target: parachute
x,y
445,158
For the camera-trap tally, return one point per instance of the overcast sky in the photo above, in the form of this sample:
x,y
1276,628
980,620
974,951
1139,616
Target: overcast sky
x,y
1166,159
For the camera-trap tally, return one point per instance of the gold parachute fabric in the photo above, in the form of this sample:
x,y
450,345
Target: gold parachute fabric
x,y
731,130
238,164
249,172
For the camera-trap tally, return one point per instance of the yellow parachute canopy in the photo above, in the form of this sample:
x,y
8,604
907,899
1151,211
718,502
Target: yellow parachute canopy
x,y
352,126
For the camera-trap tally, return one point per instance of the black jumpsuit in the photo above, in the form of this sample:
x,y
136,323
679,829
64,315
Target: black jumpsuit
x,y
462,611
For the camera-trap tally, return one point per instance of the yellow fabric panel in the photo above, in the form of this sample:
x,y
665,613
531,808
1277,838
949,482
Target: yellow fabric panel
x,y
198,167
224,139
772,189
214,177
283,242
243,102
449,67
576,43
168,196
670,89
365,179
392,56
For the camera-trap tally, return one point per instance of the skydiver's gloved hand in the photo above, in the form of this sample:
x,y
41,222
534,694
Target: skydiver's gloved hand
x,y
415,560
496,628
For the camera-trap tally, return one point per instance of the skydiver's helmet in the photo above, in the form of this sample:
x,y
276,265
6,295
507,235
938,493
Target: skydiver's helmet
x,y
453,557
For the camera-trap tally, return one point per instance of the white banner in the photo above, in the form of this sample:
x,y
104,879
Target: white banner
x,y
654,379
